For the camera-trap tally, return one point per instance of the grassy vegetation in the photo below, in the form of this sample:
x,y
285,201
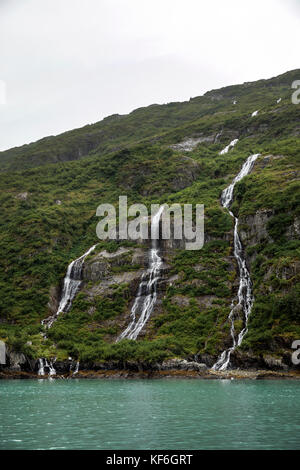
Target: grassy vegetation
x,y
48,207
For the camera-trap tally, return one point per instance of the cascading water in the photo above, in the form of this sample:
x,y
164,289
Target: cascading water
x,y
147,291
245,295
76,368
41,370
72,283
44,363
230,146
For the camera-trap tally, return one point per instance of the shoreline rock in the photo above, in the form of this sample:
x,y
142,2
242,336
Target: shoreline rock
x,y
114,374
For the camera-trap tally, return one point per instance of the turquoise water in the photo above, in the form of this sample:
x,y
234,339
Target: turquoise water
x,y
149,414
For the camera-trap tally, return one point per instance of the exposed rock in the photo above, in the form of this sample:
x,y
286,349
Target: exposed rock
x,y
172,279
206,359
199,267
245,360
256,225
288,272
263,162
96,271
296,131
16,360
190,143
181,300
116,254
182,364
237,312
105,286
22,196
139,257
172,244
187,176
293,232
54,295
100,267
205,301
214,96
274,363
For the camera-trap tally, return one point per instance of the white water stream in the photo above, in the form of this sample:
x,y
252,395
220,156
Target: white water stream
x,y
147,291
76,368
245,295
72,282
44,363
230,146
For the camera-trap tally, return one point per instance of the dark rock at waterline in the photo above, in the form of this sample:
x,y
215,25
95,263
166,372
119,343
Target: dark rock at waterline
x,y
15,361
206,359
246,360
182,364
240,360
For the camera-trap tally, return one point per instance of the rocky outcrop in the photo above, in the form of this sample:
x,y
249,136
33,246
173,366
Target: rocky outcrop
x,y
54,296
293,231
188,174
267,160
182,364
104,270
102,265
22,196
105,286
17,361
188,144
253,228
274,363
248,360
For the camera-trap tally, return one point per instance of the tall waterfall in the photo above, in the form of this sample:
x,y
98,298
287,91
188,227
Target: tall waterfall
x,y
147,291
245,295
72,283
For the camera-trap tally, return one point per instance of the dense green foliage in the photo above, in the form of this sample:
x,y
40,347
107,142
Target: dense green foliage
x,y
48,217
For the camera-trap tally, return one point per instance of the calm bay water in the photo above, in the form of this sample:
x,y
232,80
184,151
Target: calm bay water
x,y
149,414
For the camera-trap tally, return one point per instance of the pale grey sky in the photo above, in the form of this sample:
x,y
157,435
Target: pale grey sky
x,y
67,63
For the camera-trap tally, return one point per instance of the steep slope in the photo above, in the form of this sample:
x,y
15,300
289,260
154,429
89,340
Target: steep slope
x,y
48,219
116,131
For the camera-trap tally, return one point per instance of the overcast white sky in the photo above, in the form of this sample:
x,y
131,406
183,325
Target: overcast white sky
x,y
67,63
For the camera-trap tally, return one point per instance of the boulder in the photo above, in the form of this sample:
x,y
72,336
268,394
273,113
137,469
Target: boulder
x,y
182,364
16,360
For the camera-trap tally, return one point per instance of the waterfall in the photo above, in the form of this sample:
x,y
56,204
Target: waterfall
x,y
230,146
245,295
41,370
76,368
44,363
147,292
72,283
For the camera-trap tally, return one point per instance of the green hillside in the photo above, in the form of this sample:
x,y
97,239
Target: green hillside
x,y
50,191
